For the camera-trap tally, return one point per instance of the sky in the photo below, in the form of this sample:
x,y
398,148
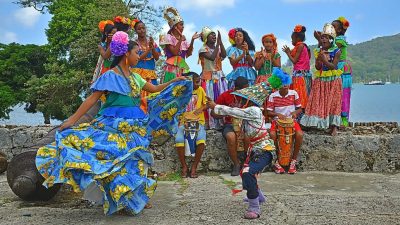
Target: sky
x,y
368,19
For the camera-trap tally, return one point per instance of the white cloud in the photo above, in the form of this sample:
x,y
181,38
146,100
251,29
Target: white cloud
x,y
27,16
8,37
210,7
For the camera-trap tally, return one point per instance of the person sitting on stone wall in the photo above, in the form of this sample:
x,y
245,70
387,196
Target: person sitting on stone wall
x,y
282,104
228,131
194,111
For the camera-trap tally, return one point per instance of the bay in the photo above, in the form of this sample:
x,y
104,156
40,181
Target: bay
x,y
369,103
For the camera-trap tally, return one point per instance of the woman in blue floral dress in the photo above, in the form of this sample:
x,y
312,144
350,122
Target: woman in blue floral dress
x,y
111,151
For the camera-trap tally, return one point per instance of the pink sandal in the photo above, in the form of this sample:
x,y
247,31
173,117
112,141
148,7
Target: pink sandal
x,y
251,215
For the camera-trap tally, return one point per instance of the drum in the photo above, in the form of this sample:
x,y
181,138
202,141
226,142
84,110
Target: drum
x,y
285,132
3,162
237,127
191,128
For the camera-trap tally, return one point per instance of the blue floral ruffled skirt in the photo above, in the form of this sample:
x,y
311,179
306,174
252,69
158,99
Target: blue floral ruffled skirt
x,y
112,152
247,72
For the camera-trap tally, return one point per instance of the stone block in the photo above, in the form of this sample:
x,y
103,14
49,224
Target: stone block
x,y
5,138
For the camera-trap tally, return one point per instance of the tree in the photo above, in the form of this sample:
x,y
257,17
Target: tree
x,y
39,5
7,100
18,64
54,95
73,38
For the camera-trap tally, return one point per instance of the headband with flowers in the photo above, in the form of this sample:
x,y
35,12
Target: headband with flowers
x,y
299,28
345,22
119,43
121,19
103,24
231,35
134,22
273,38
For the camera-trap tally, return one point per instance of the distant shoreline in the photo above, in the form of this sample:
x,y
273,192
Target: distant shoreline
x,y
382,97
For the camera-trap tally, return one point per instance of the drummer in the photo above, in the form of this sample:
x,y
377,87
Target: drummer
x,y
282,104
195,108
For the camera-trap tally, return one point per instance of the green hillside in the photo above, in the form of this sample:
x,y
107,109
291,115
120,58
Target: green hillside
x,y
378,59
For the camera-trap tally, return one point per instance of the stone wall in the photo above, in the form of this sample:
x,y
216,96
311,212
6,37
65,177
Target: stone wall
x,y
373,148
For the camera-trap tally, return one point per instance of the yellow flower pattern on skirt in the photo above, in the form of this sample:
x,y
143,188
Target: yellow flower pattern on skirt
x,y
112,151
114,160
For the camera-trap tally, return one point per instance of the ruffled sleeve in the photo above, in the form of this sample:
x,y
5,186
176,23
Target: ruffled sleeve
x,y
185,45
168,39
341,40
110,81
165,40
231,51
139,80
277,55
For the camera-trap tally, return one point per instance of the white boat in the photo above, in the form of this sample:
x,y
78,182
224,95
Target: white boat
x,y
375,82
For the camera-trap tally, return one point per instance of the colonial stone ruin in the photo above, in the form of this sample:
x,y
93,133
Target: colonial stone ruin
x,y
363,147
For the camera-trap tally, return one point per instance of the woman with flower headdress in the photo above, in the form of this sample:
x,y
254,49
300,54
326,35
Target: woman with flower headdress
x,y
324,106
211,55
300,57
341,24
122,23
107,30
267,58
175,45
111,152
241,56
149,53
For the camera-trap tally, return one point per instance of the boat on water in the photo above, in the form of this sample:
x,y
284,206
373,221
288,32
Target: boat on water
x,y
375,82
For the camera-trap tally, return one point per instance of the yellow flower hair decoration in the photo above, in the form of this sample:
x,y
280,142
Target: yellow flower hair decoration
x,y
345,22
134,22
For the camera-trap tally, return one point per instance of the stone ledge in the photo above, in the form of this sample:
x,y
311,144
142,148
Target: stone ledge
x,y
374,148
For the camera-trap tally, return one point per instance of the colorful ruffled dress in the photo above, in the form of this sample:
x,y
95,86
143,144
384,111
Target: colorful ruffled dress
x,y
102,65
146,68
242,68
107,62
347,79
301,77
111,151
266,70
213,81
175,66
325,102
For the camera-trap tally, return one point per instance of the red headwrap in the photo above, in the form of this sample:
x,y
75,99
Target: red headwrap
x,y
273,38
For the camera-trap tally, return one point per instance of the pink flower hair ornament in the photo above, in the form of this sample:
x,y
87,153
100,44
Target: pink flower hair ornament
x,y
119,43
